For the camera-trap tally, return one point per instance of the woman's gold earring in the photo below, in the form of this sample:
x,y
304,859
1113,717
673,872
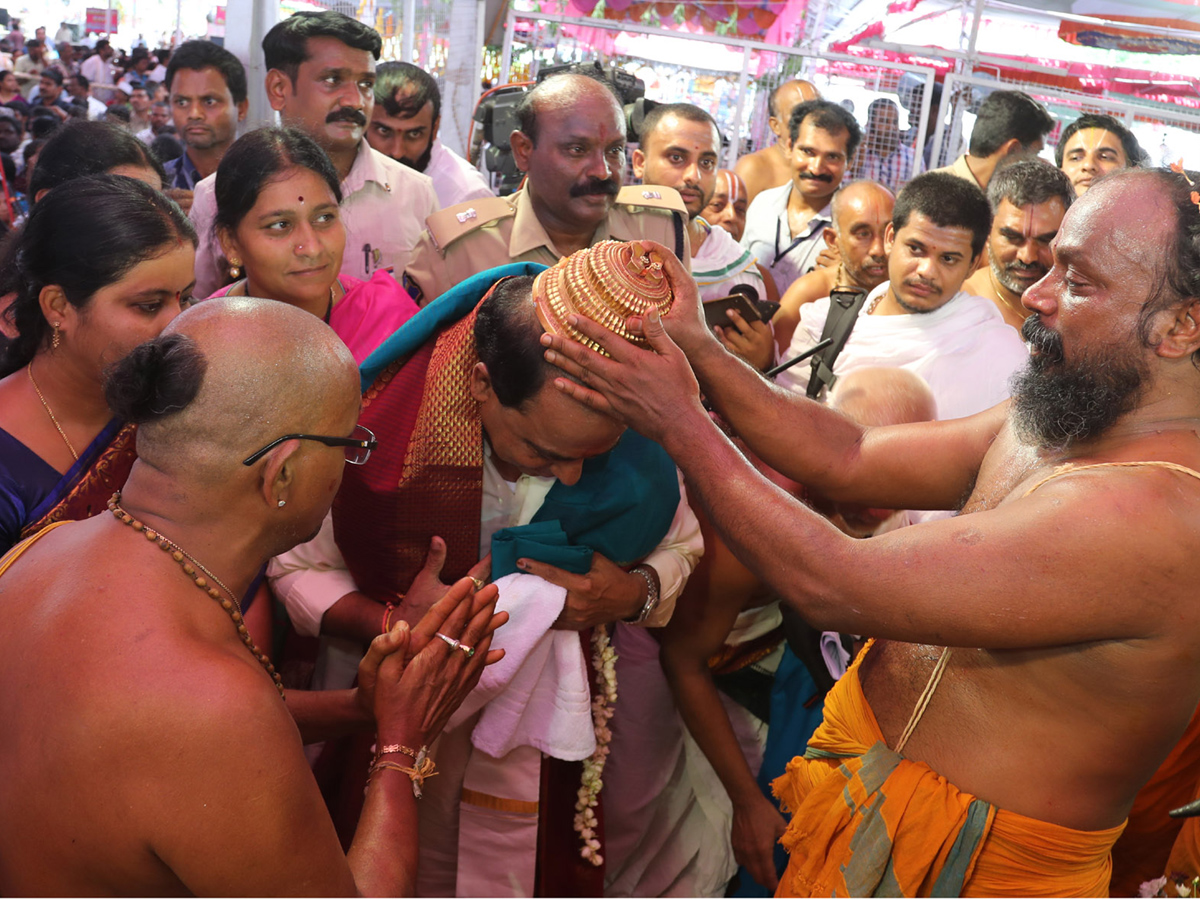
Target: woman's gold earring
x,y
55,338
235,269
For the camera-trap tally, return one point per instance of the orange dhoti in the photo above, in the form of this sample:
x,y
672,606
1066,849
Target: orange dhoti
x,y
866,822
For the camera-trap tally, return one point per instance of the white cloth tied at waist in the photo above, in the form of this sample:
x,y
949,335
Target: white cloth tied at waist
x,y
538,695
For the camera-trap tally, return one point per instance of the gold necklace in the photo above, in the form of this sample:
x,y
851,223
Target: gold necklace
x,y
50,412
190,564
1021,312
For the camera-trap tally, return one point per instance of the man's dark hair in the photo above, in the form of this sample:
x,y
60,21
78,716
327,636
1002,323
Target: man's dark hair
x,y
53,74
33,43
1005,115
948,202
526,112
828,116
166,147
88,148
259,157
1029,182
285,46
1134,153
1181,273
206,54
82,81
102,44
415,86
507,340
43,126
687,111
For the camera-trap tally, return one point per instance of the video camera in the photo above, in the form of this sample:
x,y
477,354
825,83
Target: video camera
x,y
496,116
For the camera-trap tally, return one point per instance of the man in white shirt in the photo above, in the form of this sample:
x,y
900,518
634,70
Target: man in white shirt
x,y
99,70
678,147
28,68
78,86
785,225
321,79
405,125
921,319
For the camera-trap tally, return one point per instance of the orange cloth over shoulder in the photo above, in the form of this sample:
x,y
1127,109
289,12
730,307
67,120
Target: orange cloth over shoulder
x,y
866,821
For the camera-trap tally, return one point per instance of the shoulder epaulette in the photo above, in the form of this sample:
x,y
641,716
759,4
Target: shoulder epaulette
x,y
453,222
655,196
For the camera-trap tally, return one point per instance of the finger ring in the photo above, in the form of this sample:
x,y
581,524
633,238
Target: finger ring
x,y
470,651
453,642
478,582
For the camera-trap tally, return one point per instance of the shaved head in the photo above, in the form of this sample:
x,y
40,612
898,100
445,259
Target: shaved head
x,y
562,92
878,395
228,376
860,193
788,94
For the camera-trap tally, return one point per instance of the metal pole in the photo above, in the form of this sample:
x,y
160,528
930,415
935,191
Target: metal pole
x,y
974,39
410,31
108,21
175,38
507,47
923,125
935,159
743,87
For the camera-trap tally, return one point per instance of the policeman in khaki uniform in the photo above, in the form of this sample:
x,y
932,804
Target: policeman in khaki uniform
x,y
571,145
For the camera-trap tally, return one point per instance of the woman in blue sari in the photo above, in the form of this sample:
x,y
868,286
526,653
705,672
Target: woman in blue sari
x,y
102,264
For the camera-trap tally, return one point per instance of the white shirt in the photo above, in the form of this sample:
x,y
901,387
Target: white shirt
x,y
769,238
964,350
454,179
384,205
95,108
97,70
721,263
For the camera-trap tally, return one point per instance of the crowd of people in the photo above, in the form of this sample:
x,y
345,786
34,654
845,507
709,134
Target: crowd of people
x,y
658,529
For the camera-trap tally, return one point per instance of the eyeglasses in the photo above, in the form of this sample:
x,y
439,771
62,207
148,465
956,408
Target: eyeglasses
x,y
358,446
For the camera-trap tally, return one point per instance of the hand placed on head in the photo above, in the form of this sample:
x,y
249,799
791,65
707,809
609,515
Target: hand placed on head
x,y
650,389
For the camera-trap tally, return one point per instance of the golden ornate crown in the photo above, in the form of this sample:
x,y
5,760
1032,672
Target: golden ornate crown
x,y
607,283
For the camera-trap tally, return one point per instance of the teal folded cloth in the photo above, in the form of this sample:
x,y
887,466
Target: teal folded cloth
x,y
621,507
542,541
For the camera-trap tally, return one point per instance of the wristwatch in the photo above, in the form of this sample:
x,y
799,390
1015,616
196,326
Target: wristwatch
x,y
652,596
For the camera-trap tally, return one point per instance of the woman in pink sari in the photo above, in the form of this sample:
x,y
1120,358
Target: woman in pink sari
x,y
279,224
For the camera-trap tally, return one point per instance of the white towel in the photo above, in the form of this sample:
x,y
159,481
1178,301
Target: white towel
x,y
538,695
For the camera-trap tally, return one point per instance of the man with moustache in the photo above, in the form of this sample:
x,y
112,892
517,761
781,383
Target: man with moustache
x,y
727,208
405,124
1006,766
207,86
1028,200
861,212
571,144
921,319
678,148
321,79
785,224
771,166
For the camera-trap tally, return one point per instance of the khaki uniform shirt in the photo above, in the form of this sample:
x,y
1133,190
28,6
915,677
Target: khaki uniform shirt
x,y
468,238
960,168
